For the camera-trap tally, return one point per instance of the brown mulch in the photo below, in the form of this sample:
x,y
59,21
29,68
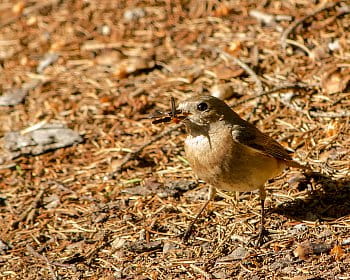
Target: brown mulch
x,y
102,68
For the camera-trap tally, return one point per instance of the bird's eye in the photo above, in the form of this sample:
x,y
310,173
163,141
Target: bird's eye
x,y
202,106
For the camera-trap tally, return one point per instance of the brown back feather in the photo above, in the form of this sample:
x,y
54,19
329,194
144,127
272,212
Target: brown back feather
x,y
247,134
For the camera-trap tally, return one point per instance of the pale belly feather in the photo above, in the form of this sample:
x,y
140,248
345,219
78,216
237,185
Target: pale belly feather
x,y
228,165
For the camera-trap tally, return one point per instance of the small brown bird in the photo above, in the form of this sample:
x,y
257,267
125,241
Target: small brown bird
x,y
228,152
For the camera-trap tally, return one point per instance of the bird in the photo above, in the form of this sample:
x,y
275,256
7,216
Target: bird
x,y
229,153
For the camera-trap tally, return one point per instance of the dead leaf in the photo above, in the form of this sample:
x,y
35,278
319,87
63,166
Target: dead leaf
x,y
18,7
108,58
332,129
133,65
225,73
222,10
234,47
222,91
337,251
306,249
335,80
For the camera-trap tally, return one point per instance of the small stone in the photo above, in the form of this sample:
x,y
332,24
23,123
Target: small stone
x,y
102,217
335,45
118,243
38,139
134,14
3,247
299,228
142,246
262,17
238,254
287,96
13,97
168,246
51,202
118,274
105,30
46,61
222,91
346,242
279,264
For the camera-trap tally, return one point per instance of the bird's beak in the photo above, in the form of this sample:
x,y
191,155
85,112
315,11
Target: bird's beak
x,y
182,113
179,115
176,112
183,109
176,116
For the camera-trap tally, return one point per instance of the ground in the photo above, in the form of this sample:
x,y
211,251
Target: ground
x,y
114,206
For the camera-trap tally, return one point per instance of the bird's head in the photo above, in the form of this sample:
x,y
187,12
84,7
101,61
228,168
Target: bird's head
x,y
204,109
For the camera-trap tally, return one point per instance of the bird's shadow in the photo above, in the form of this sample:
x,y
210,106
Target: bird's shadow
x,y
330,200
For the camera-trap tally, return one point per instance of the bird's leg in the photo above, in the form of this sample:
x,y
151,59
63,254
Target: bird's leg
x,y
262,232
212,192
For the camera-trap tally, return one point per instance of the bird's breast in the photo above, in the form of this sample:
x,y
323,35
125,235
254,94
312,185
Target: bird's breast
x,y
227,164
208,157
198,143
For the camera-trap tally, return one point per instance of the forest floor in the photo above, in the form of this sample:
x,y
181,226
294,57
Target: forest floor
x,y
113,203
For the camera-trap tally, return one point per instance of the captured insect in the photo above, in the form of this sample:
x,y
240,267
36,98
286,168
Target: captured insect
x,y
174,116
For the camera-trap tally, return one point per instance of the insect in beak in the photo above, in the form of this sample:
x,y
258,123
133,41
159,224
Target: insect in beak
x,y
175,115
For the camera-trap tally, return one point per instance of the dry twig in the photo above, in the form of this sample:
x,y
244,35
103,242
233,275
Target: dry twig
x,y
134,154
315,114
274,90
29,11
31,250
296,23
32,207
223,54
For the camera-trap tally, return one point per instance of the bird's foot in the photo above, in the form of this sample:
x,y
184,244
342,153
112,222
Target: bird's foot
x,y
187,233
257,240
260,237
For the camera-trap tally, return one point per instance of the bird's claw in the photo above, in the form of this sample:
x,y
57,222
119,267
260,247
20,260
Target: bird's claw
x,y
260,238
187,233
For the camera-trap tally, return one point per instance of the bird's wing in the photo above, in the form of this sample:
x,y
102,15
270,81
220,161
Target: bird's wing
x,y
250,136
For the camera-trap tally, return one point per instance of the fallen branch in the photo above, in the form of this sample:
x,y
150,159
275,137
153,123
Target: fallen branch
x,y
259,87
315,114
258,83
330,114
296,23
274,90
34,253
28,213
15,96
